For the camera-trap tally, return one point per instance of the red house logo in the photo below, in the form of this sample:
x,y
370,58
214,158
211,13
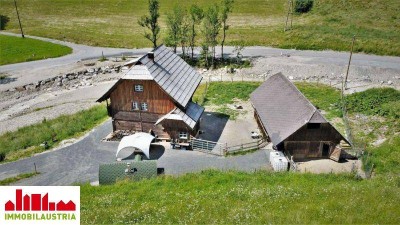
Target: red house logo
x,y
40,205
35,202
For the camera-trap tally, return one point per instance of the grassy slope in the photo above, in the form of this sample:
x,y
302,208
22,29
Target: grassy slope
x,y
330,25
26,140
243,198
17,49
382,105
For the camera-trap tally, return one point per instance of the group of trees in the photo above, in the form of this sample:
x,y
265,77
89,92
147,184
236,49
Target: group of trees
x,y
188,27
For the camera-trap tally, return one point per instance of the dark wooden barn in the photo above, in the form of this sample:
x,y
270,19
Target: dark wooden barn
x,y
155,95
291,122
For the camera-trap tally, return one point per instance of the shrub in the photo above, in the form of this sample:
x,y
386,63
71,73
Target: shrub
x,y
375,101
2,156
3,21
303,6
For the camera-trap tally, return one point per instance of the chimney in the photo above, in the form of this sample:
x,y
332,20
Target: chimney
x,y
150,55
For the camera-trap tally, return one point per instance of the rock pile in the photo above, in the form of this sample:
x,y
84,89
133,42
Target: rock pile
x,y
69,80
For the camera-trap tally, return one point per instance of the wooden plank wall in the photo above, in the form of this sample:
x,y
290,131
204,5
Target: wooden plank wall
x,y
306,143
173,127
306,149
325,133
157,100
261,126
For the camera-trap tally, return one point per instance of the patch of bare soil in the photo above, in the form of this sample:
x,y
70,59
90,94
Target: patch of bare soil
x,y
329,166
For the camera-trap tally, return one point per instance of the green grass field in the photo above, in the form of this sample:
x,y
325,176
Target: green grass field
x,y
26,141
17,49
329,25
213,197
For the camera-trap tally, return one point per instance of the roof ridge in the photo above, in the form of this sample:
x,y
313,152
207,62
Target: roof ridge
x,y
294,86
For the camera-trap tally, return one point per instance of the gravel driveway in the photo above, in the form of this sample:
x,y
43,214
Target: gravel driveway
x,y
79,162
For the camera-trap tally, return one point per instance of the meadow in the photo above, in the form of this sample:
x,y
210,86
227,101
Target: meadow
x,y
17,49
215,197
330,24
26,141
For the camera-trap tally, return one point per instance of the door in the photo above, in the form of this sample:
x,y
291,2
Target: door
x,y
325,149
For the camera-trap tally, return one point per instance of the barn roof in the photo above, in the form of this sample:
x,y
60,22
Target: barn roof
x,y
177,78
282,108
190,117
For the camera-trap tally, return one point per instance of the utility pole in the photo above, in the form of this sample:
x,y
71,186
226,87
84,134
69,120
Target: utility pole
x,y
348,66
289,14
19,20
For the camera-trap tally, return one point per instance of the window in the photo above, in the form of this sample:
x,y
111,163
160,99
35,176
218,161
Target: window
x,y
139,88
144,106
135,106
183,135
313,125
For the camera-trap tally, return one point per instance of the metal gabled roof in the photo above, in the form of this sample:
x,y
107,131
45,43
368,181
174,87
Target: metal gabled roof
x,y
191,117
177,78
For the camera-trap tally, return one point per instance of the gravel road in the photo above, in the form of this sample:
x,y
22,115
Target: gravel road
x,y
21,108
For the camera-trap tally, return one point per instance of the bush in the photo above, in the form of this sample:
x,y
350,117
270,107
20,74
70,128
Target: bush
x,y
2,156
375,101
3,21
303,6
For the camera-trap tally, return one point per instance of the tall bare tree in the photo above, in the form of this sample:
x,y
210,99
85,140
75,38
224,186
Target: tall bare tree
x,y
151,22
227,6
196,15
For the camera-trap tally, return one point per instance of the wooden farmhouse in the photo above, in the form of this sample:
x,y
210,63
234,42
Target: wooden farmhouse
x,y
291,122
155,95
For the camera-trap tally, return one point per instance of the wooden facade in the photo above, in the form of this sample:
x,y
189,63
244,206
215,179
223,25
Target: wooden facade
x,y
158,104
313,140
126,118
175,127
157,100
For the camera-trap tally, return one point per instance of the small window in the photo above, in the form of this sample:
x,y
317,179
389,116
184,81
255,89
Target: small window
x,y
144,106
135,106
139,88
313,125
183,135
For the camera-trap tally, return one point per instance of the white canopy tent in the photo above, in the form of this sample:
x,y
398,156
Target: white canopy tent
x,y
139,141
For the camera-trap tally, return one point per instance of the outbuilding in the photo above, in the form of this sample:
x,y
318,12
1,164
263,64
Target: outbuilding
x,y
289,120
